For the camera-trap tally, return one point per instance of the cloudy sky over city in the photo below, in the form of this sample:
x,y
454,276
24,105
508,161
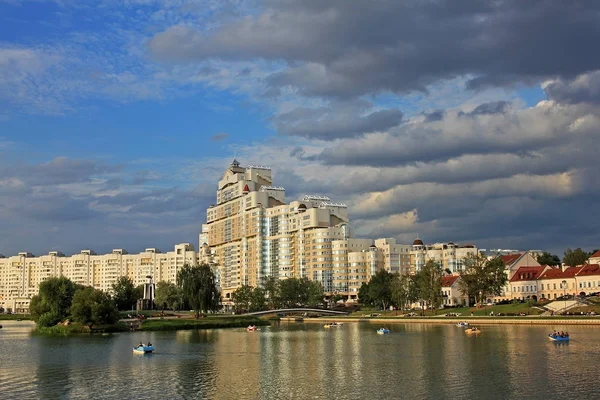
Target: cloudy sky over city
x,y
466,121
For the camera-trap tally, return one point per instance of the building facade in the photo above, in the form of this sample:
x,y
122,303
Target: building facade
x,y
21,275
252,233
449,255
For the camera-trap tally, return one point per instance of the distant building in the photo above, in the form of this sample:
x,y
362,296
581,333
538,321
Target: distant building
x,y
449,255
21,275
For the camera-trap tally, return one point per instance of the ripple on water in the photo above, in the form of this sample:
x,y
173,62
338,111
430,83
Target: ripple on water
x,y
303,361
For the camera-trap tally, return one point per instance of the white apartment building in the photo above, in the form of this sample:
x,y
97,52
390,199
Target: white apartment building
x,y
21,275
450,255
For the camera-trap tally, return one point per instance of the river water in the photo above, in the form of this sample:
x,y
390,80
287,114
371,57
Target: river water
x,y
303,361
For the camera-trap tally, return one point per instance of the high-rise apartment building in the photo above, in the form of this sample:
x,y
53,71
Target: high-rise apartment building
x,y
251,233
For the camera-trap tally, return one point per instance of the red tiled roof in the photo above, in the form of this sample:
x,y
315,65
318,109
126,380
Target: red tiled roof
x,y
589,269
596,254
449,280
527,274
511,258
557,273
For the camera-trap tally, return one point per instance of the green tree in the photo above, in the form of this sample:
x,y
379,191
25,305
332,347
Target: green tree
x,y
53,301
139,292
429,280
482,277
548,259
380,289
242,299
93,307
124,293
199,288
271,287
258,302
314,292
404,291
168,295
575,257
364,296
291,293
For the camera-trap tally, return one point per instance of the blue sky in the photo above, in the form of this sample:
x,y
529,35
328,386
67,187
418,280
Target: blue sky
x,y
118,116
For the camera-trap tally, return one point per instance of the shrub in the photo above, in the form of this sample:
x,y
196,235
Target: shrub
x,y
48,319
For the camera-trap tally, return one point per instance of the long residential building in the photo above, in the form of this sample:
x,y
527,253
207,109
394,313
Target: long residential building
x,y
21,275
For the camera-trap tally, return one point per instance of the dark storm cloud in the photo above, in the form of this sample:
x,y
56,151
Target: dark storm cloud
x,y
518,132
336,121
347,49
436,115
493,107
583,89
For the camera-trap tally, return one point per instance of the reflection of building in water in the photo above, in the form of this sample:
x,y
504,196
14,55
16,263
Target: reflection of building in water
x,y
237,359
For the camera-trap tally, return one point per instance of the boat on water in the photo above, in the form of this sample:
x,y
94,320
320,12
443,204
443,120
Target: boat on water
x,y
333,325
383,331
251,328
462,324
472,331
143,349
558,338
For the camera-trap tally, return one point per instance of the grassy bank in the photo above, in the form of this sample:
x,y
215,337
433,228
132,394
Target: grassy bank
x,y
510,309
72,329
202,323
12,317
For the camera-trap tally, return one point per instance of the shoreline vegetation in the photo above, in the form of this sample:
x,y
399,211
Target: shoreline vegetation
x,y
217,322
14,317
155,324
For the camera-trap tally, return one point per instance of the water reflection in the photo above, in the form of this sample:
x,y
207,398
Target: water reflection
x,y
303,361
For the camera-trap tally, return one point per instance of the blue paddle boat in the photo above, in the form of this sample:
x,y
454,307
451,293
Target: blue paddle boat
x,y
383,331
141,349
558,338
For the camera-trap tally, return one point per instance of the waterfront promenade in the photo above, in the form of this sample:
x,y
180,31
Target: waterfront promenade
x,y
530,320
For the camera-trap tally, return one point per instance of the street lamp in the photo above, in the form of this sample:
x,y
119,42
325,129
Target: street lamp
x,y
564,282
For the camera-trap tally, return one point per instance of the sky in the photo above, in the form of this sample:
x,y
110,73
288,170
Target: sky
x,y
472,121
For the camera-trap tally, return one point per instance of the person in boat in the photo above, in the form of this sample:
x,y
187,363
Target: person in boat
x,y
140,345
149,344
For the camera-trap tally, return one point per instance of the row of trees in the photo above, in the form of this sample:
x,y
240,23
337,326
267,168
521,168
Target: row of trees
x,y
60,298
480,278
292,292
572,258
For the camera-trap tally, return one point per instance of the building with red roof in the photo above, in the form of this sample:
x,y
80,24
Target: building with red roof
x,y
451,294
524,282
588,279
595,258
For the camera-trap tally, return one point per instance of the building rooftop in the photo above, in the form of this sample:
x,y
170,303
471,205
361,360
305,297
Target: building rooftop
x,y
596,254
449,280
510,258
527,273
557,273
589,269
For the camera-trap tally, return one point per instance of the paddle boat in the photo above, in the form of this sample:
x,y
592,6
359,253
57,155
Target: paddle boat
x,y
251,328
141,349
558,338
333,325
473,331
383,331
462,324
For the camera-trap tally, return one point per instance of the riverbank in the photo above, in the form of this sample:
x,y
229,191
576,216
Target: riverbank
x,y
77,329
14,317
453,321
201,323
